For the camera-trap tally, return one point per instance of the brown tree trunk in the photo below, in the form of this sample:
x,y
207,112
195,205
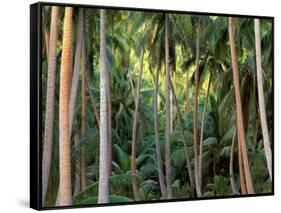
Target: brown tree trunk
x,y
241,173
135,126
196,170
240,125
49,119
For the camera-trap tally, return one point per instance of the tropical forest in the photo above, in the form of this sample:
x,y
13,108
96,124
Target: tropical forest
x,y
142,105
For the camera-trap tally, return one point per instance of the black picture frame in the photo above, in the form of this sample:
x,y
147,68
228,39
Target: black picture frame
x,y
36,100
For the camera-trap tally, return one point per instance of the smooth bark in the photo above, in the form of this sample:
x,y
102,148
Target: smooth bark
x,y
264,127
50,102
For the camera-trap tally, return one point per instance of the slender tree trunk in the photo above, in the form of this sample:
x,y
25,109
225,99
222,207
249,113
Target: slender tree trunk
x,y
83,113
240,125
257,124
157,140
93,104
168,115
197,184
47,42
188,162
65,194
262,108
171,107
103,191
231,174
49,120
187,91
109,119
135,126
76,70
77,187
202,132
241,173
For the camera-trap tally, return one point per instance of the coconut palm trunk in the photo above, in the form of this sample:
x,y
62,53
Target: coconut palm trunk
x,y
167,114
76,70
262,107
195,140
65,194
240,125
103,191
135,126
188,162
241,173
202,131
157,140
49,119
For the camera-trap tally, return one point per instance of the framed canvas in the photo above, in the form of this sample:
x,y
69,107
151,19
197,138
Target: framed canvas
x,y
137,105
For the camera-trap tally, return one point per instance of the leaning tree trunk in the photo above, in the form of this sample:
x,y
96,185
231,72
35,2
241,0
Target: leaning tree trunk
x,y
188,162
49,120
157,141
241,173
135,126
76,70
168,118
240,125
202,132
262,108
196,170
65,195
103,191
231,174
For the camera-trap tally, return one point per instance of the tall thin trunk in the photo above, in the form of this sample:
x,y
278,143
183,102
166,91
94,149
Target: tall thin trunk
x,y
262,108
93,104
188,162
49,120
47,42
231,174
109,107
171,107
83,113
65,195
135,126
76,70
202,132
157,140
77,187
196,170
168,115
186,92
103,191
257,125
241,173
240,125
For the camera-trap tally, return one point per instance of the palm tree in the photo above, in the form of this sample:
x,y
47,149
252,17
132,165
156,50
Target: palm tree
x,y
103,191
49,121
157,141
202,132
168,115
65,194
76,69
196,170
135,126
261,99
240,125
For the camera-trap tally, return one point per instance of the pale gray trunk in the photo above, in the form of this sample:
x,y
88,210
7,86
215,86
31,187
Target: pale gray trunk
x,y
231,174
202,132
103,191
76,70
157,141
262,108
135,126
168,115
49,121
